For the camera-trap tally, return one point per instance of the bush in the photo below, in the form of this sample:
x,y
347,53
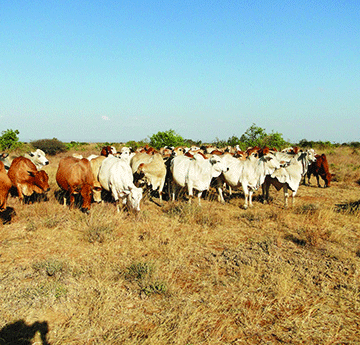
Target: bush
x,y
49,146
9,139
167,138
75,145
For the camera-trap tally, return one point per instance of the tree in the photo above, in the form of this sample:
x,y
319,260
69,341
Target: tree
x,y
253,136
275,139
9,139
167,138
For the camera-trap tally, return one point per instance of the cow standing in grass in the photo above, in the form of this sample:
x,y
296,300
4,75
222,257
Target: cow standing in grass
x,y
75,176
27,179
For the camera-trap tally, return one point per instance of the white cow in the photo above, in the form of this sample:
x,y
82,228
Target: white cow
x,y
195,173
116,177
38,158
249,173
289,177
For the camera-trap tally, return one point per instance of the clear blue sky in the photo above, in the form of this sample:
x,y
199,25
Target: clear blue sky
x,y
123,70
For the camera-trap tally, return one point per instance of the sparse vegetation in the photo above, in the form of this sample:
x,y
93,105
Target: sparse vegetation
x,y
184,274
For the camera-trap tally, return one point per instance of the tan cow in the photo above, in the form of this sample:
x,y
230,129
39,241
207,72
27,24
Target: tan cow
x,y
74,176
27,179
150,168
95,168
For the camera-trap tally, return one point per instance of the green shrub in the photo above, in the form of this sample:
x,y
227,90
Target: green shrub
x,y
167,138
9,139
49,146
75,145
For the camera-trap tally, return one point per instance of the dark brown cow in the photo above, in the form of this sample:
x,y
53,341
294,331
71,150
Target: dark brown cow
x,y
27,179
75,176
319,168
5,185
108,150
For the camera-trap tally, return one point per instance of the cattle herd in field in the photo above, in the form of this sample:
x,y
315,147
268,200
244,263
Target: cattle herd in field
x,y
127,173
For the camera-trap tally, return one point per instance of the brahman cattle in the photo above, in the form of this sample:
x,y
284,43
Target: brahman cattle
x,y
27,179
38,158
74,176
249,173
150,169
116,177
5,185
195,173
95,168
319,168
289,177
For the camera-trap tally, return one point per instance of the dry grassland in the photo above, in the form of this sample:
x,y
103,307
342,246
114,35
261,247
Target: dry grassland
x,y
181,274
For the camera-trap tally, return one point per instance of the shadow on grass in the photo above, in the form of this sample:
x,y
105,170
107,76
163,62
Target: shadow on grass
x,y
7,215
19,333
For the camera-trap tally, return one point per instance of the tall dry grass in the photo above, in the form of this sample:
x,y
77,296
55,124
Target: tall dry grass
x,y
184,274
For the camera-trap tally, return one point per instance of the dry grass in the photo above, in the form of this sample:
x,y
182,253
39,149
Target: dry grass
x,y
181,274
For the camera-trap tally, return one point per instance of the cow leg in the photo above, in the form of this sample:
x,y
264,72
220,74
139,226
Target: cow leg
x,y
20,194
199,197
265,191
246,195
72,199
190,192
117,204
286,195
220,195
250,198
318,181
293,198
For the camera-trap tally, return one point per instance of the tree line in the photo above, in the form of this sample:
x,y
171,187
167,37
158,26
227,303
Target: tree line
x,y
253,136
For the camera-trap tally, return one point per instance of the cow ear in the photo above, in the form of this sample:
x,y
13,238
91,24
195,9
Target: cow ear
x,y
140,167
31,174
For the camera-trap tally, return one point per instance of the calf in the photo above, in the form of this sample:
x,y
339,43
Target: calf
x,y
319,168
75,176
27,179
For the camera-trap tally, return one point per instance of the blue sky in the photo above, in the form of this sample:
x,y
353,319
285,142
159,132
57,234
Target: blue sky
x,y
123,70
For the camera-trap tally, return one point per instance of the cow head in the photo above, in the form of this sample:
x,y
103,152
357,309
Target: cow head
x,y
38,157
97,194
271,163
218,166
41,180
4,157
133,198
86,193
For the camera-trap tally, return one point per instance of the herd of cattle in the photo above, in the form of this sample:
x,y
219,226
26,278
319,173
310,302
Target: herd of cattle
x,y
126,173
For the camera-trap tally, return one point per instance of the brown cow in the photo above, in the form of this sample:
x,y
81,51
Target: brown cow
x,y
108,150
319,168
74,176
27,179
5,185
